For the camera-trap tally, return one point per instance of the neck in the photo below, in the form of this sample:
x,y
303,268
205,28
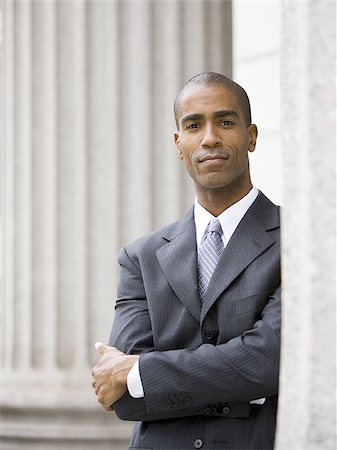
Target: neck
x,y
217,201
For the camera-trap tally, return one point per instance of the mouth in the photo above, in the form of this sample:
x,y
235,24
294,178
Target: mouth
x,y
214,158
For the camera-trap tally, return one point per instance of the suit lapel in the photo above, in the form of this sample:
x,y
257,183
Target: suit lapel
x,y
178,261
247,243
178,256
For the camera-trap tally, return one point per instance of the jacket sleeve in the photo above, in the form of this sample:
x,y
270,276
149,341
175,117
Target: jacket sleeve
x,y
132,333
243,369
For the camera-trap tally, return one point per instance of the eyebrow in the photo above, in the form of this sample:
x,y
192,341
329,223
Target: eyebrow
x,y
225,113
216,115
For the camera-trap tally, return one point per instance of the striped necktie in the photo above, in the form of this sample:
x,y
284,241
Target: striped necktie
x,y
209,254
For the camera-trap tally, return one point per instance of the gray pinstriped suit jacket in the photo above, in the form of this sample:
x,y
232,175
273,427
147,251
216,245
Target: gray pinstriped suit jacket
x,y
201,364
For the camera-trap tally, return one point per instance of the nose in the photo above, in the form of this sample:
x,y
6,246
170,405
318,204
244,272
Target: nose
x,y
210,137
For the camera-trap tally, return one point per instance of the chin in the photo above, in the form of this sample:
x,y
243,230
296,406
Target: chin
x,y
214,186
214,182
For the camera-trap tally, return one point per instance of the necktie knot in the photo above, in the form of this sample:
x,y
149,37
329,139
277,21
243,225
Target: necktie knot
x,y
215,225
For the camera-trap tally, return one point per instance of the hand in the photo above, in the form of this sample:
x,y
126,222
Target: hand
x,y
110,374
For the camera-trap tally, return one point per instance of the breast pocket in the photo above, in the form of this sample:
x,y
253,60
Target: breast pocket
x,y
251,305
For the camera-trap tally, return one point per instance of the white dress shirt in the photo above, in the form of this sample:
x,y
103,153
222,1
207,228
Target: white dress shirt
x,y
229,219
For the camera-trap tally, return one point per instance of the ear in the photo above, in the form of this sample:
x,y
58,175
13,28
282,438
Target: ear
x,y
252,131
177,143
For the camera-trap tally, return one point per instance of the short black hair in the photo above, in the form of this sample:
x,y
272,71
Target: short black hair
x,y
209,78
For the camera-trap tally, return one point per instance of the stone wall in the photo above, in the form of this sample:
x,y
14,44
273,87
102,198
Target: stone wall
x,y
307,405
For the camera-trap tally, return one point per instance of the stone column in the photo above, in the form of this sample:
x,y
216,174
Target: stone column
x,y
87,164
307,405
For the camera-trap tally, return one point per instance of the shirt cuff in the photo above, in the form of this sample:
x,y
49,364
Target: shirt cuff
x,y
134,382
259,401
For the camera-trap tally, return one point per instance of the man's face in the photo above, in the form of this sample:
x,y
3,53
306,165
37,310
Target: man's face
x,y
214,139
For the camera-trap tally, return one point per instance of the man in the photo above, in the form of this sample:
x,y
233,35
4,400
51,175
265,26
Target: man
x,y
194,348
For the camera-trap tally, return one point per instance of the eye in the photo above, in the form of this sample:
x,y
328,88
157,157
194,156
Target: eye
x,y
192,126
226,123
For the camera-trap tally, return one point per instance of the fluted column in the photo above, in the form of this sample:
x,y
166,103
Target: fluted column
x,y
88,163
307,403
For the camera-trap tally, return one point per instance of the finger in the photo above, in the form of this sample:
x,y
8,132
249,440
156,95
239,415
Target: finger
x,y
101,348
109,408
105,403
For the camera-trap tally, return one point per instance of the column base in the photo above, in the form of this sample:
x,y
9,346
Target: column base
x,y
40,429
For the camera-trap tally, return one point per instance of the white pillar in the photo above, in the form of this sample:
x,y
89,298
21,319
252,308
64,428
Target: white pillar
x,y
87,164
307,404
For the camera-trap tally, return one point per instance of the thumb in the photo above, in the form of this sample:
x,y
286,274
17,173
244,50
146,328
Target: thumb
x,y
101,348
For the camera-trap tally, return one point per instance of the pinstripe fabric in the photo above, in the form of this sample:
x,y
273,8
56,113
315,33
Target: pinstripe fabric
x,y
209,254
159,315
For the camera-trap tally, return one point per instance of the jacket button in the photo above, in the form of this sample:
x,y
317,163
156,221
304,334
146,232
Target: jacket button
x,y
175,403
188,401
208,410
226,410
198,443
209,335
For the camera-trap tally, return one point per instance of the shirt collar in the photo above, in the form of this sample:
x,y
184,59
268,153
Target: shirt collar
x,y
229,219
